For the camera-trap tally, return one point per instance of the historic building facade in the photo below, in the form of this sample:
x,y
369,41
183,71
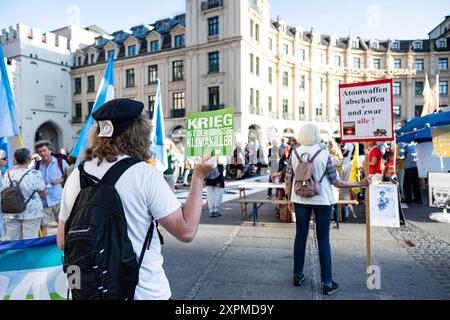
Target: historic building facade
x,y
230,53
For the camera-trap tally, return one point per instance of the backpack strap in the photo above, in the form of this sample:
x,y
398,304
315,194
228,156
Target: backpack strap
x,y
20,178
115,172
315,155
297,155
60,165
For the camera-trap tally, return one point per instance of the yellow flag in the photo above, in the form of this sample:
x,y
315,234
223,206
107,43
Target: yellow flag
x,y
354,173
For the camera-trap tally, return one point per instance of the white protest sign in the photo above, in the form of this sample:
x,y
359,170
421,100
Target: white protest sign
x,y
384,208
366,111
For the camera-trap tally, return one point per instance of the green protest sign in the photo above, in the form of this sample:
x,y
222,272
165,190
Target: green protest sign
x,y
210,133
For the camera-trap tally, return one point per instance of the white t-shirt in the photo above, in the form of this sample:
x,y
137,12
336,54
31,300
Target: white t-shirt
x,y
144,193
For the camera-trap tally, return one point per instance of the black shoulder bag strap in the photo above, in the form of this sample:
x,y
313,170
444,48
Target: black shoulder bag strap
x,y
111,177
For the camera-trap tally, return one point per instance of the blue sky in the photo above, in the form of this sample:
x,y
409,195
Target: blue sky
x,y
401,19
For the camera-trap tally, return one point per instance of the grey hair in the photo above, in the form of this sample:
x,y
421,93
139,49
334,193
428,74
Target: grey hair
x,y
309,135
22,155
44,143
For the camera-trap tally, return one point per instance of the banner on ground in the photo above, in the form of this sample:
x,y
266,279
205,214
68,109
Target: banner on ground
x,y
210,133
366,111
32,270
441,141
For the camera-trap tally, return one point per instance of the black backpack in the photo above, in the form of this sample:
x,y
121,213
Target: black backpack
x,y
96,239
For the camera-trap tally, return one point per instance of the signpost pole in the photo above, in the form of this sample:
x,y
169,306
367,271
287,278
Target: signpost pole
x,y
367,202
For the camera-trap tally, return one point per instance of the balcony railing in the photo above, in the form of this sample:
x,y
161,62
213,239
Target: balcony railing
x,y
76,120
288,116
210,4
213,107
178,113
303,117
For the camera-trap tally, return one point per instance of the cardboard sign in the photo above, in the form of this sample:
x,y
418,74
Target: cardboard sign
x,y
439,189
441,141
210,133
384,209
366,111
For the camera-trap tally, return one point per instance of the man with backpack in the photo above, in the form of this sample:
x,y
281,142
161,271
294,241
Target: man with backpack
x,y
112,204
52,168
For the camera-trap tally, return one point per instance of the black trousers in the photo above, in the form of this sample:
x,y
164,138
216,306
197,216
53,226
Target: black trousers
x,y
411,185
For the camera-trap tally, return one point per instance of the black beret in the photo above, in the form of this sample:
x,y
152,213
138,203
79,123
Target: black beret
x,y
115,116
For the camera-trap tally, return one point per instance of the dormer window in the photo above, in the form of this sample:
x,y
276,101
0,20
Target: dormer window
x,y
336,42
179,41
395,45
79,62
132,50
374,45
92,58
154,46
111,53
417,45
441,44
355,44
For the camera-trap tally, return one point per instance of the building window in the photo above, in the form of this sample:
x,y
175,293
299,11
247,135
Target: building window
x,y
417,45
395,46
418,88
443,64
285,49
252,99
270,44
257,32
374,45
302,84
79,61
90,83
257,100
213,62
356,63
252,63
152,74
129,73
213,26
251,28
355,44
178,70
257,66
179,41
154,46
397,111
302,55
337,61
336,86
270,104
270,75
321,81
92,58
419,64
441,44
397,88
111,53
301,108
78,111
132,51
319,110
376,64
214,96
285,79
285,107
77,85
90,107
443,88
418,111
151,106
178,100
397,63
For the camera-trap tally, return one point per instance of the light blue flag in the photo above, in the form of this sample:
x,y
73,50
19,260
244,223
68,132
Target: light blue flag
x,y
8,120
5,145
158,148
32,270
104,94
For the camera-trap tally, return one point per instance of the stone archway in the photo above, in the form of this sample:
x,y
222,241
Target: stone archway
x,y
50,132
254,133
